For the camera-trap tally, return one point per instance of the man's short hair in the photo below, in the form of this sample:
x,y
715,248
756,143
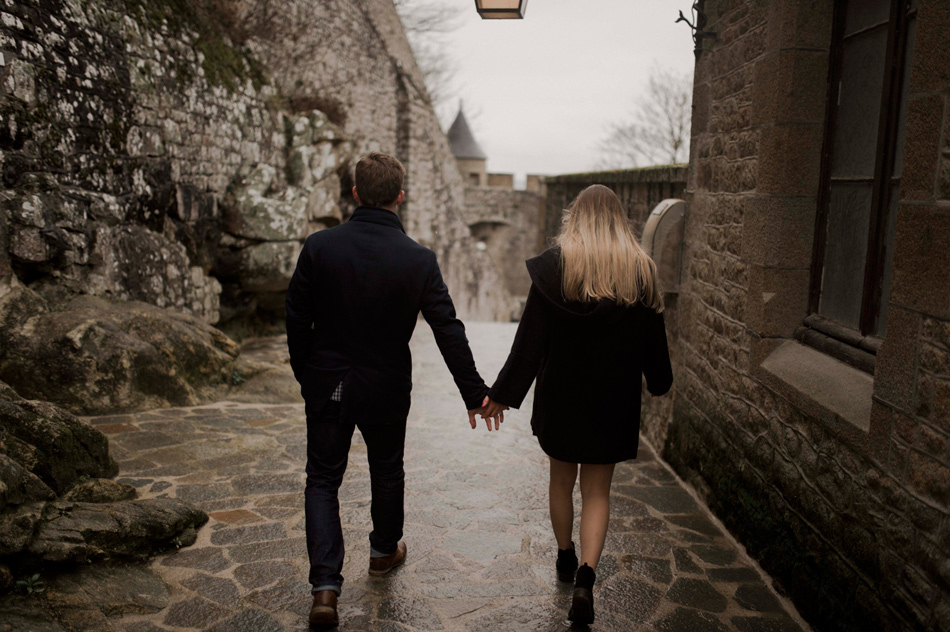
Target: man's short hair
x,y
379,179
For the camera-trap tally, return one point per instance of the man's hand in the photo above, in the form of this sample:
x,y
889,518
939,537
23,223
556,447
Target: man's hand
x,y
477,411
493,411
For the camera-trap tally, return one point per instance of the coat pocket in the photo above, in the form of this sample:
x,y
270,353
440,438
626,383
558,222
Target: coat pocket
x,y
318,385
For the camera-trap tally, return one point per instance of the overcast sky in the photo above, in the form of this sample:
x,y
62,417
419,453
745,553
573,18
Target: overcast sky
x,y
540,92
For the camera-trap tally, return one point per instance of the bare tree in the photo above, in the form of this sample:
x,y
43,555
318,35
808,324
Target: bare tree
x,y
428,24
658,131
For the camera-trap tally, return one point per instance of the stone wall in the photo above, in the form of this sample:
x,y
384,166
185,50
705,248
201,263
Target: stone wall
x,y
639,190
836,481
158,151
508,223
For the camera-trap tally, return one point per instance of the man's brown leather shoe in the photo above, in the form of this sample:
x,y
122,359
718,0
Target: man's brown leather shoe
x,y
323,611
382,565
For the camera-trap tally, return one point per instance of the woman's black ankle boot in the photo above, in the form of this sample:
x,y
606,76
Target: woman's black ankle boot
x,y
582,606
566,564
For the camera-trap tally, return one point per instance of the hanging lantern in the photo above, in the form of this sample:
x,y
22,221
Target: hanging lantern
x,y
501,9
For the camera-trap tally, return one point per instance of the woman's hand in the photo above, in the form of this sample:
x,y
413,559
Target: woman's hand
x,y
493,411
477,411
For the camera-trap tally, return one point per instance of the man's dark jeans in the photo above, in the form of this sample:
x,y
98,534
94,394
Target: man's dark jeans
x,y
328,445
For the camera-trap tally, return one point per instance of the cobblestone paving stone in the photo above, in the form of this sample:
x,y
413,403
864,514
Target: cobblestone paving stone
x,y
481,551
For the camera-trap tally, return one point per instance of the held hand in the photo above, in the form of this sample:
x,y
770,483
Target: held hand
x,y
493,411
477,411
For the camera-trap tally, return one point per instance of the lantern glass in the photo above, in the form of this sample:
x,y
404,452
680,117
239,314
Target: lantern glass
x,y
501,9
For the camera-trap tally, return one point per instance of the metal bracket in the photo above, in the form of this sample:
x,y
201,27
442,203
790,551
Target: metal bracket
x,y
697,25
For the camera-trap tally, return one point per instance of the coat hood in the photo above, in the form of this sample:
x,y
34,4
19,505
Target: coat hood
x,y
545,273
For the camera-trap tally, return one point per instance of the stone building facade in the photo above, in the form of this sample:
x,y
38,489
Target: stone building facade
x,y
504,222
811,336
179,153
507,222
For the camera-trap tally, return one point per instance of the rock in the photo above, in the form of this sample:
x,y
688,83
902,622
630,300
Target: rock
x,y
323,129
6,578
299,130
49,443
271,386
136,263
81,532
265,382
113,589
18,485
93,250
98,357
267,267
100,490
18,526
323,205
261,213
21,613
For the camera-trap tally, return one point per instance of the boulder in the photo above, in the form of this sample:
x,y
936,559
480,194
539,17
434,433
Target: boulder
x,y
323,205
262,213
25,612
268,266
46,449
18,526
18,485
94,356
136,529
265,381
100,490
113,589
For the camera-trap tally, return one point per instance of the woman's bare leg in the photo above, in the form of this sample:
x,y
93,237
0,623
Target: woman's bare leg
x,y
561,494
595,510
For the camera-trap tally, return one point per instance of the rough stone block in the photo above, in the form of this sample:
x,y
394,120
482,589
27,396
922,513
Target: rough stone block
x,y
799,24
778,231
267,267
925,117
931,72
896,363
789,160
19,81
789,86
935,359
941,405
701,106
323,204
932,442
777,300
929,477
921,276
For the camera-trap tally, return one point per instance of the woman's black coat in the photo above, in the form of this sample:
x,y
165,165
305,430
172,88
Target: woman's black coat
x,y
588,358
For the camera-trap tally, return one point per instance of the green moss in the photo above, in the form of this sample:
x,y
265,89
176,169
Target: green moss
x,y
225,62
227,65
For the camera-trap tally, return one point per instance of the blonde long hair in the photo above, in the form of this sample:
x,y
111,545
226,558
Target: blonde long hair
x,y
600,255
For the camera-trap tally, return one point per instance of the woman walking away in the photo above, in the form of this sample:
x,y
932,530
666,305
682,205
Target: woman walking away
x,y
592,325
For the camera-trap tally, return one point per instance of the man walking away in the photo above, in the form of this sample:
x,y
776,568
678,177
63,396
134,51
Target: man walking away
x,y
352,305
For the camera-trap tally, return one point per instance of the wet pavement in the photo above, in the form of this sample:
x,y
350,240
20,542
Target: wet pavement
x,y
481,551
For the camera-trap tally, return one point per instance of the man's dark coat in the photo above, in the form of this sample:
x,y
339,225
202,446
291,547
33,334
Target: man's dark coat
x,y
352,305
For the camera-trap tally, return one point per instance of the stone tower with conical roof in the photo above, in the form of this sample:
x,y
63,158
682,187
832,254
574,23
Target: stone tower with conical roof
x,y
469,156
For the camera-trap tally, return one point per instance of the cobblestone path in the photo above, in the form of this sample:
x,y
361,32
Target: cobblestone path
x,y
481,551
